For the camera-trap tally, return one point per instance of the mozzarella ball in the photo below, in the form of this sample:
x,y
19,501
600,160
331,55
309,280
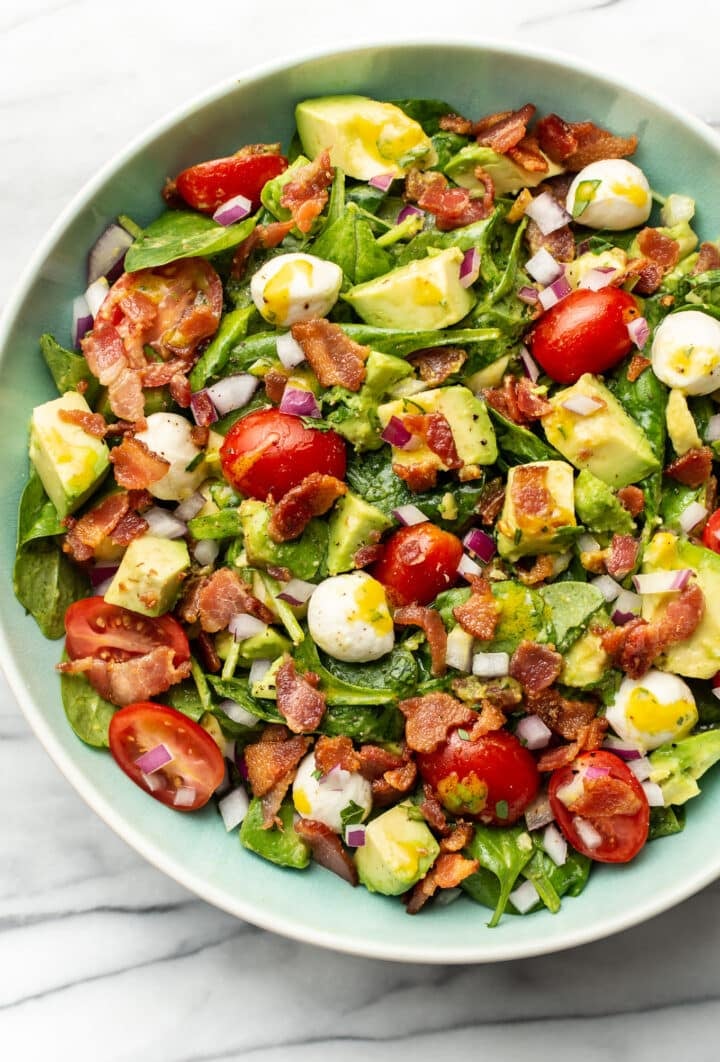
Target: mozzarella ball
x,y
168,434
348,617
621,199
295,287
686,352
652,710
324,798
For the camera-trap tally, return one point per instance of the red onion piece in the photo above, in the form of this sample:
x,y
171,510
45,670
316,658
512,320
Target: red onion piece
x,y
108,252
713,429
154,759
409,211
547,213
597,279
524,897
532,732
639,331
185,797
233,392
468,567
299,402
532,369
663,582
203,409
243,626
654,794
190,507
101,573
607,586
587,833
297,591
583,405
355,836
382,181
82,320
528,294
555,845
559,289
236,712
95,295
164,524
596,772
480,543
289,351
538,813
234,808
691,516
626,750
408,515
641,768
396,433
491,665
233,210
627,607
543,267
470,267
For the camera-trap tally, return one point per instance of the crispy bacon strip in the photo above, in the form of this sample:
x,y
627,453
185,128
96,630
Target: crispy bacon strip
x,y
433,811
262,236
336,359
694,468
505,131
420,476
535,667
622,556
603,797
530,493
91,423
375,761
431,622
136,466
632,499
430,719
333,752
659,247
491,501
272,757
108,361
517,400
541,569
367,555
589,737
447,872
298,701
128,528
274,383
452,207
594,144
634,647
435,429
436,364
455,123
394,784
312,497
528,155
479,615
564,717
638,364
123,682
708,258
306,194
459,837
86,534
555,137
648,275
560,243
327,849
224,595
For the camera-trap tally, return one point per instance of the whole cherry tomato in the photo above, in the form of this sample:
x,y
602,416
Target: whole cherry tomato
x,y
418,562
208,185
711,532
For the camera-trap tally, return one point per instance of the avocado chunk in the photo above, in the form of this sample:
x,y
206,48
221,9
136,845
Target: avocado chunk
x,y
150,574
302,557
424,294
365,137
549,529
608,442
355,418
69,461
585,663
680,423
354,523
506,175
469,422
399,850
598,508
280,845
676,766
267,645
699,655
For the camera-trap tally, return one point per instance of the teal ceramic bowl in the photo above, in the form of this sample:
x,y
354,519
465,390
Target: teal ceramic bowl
x,y
677,152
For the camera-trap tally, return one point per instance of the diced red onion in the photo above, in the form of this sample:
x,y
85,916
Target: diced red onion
x,y
543,267
408,515
627,607
289,351
663,582
538,813
597,279
190,507
108,252
258,670
236,712
102,588
555,845
299,402
524,897
153,782
100,573
355,835
491,665
532,368
297,591
164,524
82,319
588,544
233,210
528,295
396,433
594,771
234,808
233,392
532,732
470,267
639,331
691,516
626,750
185,797
713,429
467,567
583,405
480,543
243,626
95,295
587,833
203,409
154,759
382,181
559,289
607,586
459,650
241,764
654,794
409,211
547,213
206,552
641,768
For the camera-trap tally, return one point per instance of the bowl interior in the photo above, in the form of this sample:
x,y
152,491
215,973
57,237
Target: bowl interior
x,y
676,153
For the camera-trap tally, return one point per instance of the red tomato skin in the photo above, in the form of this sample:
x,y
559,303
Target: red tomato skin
x,y
268,453
208,185
92,626
197,760
584,332
623,835
711,532
494,769
418,563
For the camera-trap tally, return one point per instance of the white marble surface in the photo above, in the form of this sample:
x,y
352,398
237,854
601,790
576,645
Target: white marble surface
x,y
100,955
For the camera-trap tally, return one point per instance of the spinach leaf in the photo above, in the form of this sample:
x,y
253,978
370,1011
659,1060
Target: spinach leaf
x,y
237,690
336,203
183,234
426,112
46,583
645,400
502,852
570,605
376,725
386,681
185,698
448,600
708,705
519,445
664,822
67,368
87,713
476,235
366,197
446,145
233,328
349,243
37,516
397,672
280,845
552,881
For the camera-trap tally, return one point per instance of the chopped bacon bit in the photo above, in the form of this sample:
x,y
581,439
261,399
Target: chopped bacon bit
x,y
634,647
204,410
188,606
560,243
395,781
452,207
529,491
659,248
535,666
561,756
632,499
490,718
708,258
92,423
564,717
86,534
448,870
435,429
312,497
128,528
208,655
682,616
160,373
180,390
693,469
528,155
648,275
541,569
431,623
390,775
622,556
459,838
505,131
430,719
272,801
367,555
276,571
107,360
517,210
517,400
420,476
479,615
436,364
602,797
638,364
272,757
556,137
200,435
274,382
125,681
375,761
333,752
433,811
595,144
305,194
298,700
455,123
327,849
504,693
224,595
711,494
136,466
491,501
334,357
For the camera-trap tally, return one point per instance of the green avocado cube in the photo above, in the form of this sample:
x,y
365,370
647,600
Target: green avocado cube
x,y
507,176
69,461
527,530
354,523
399,850
150,575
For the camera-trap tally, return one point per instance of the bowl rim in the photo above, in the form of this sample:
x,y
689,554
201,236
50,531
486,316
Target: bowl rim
x,y
132,834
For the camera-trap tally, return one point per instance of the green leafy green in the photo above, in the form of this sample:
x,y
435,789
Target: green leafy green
x,y
477,235
68,369
87,713
376,724
385,680
502,852
664,822
238,690
46,584
280,845
518,445
37,516
351,814
233,328
426,112
349,243
304,556
645,400
183,234
570,607
184,696
523,616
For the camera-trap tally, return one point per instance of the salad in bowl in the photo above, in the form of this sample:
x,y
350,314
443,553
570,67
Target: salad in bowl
x,y
378,505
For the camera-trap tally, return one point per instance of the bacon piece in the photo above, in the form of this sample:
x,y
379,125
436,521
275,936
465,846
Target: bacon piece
x,y
530,494
459,838
394,784
632,499
107,360
638,364
136,466
312,497
560,243
479,615
708,258
128,528
305,194
448,870
431,718
272,757
622,556
517,400
431,623
208,655
541,569
682,616
594,144
367,555
659,248
452,207
503,693
375,761
560,756
274,383
160,373
648,275
333,752
535,666
91,423
420,476
327,849
276,571
125,681
556,138
86,534
433,811
491,501
436,364
489,718
634,647
298,701
334,357
262,236
435,430
503,132
528,155
180,390
455,123
224,595
694,468
603,797
564,717
272,801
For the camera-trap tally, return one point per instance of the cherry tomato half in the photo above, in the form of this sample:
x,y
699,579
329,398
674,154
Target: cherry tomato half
x,y
418,562
492,779
210,184
711,532
269,452
190,777
94,628
584,332
602,786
